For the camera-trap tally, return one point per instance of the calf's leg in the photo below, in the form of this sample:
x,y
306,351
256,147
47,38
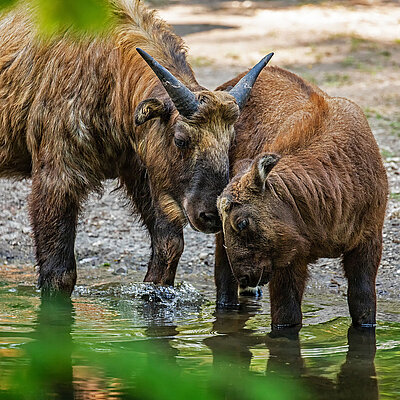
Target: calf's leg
x,y
286,289
361,266
227,286
54,211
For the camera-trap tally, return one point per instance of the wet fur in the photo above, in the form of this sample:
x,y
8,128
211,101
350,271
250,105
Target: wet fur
x,y
326,197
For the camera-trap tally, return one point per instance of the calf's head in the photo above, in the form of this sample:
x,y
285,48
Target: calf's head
x,y
189,161
258,224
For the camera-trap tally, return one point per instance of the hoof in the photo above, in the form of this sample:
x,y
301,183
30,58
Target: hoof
x,y
221,305
290,331
251,291
57,286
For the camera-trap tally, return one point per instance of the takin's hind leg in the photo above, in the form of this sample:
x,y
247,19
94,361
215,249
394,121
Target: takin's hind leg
x,y
54,207
361,266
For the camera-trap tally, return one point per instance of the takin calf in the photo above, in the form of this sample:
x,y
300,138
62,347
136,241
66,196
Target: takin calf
x,y
308,182
76,111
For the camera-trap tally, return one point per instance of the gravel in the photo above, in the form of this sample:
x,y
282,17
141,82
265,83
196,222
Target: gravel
x,y
111,246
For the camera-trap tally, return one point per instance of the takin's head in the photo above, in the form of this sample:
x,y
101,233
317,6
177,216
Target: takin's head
x,y
259,226
189,161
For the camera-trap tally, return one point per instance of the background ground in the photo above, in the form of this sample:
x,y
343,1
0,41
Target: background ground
x,y
348,48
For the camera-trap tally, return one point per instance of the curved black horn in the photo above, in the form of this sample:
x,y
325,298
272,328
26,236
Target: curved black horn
x,y
241,91
184,99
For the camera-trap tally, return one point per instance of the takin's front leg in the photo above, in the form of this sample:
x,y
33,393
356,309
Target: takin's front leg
x,y
286,289
361,266
53,208
166,250
227,285
163,219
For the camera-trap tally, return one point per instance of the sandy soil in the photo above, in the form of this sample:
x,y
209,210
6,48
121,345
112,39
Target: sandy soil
x,y
350,49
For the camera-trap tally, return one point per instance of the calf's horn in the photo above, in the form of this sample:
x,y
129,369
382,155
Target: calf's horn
x,y
241,91
184,99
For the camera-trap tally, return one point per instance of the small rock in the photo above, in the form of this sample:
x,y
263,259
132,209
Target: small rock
x,y
87,260
203,256
121,270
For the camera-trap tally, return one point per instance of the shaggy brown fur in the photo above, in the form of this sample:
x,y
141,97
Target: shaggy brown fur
x,y
326,197
67,119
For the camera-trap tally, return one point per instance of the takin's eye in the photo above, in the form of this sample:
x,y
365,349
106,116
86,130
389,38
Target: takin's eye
x,y
181,143
242,224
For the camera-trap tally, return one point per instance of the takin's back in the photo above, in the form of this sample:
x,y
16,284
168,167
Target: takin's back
x,y
44,81
79,90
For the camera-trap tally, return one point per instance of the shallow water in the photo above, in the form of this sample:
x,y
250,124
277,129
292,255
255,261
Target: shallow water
x,y
94,347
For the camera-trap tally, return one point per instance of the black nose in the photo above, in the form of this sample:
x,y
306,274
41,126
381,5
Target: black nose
x,y
209,217
210,220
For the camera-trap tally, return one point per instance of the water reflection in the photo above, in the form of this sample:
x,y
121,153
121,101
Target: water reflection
x,y
58,367
355,380
161,331
232,344
50,353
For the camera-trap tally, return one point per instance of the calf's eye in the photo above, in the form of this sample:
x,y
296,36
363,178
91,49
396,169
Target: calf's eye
x,y
242,224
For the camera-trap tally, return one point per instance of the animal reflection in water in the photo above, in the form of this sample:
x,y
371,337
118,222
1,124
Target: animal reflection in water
x,y
51,354
355,380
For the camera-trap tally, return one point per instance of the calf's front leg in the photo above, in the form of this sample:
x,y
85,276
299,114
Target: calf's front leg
x,y
227,286
286,289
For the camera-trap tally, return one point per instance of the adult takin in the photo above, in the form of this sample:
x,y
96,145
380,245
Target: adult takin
x,y
76,111
308,182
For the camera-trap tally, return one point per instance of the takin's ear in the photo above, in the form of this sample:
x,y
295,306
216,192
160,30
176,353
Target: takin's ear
x,y
262,166
149,109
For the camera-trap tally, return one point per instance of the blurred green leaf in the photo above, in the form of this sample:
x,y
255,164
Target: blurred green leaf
x,y
80,15
6,3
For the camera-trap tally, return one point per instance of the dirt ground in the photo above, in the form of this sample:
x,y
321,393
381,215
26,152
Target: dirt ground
x,y
350,49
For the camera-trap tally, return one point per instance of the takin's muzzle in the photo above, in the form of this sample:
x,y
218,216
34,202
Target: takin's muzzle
x,y
201,201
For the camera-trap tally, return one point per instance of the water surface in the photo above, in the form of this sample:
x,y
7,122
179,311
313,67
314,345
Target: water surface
x,y
112,340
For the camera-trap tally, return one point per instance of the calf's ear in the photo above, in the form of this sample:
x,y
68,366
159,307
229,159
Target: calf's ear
x,y
262,166
149,109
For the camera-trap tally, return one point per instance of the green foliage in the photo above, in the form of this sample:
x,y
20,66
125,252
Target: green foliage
x,y
395,196
6,3
135,369
82,15
78,15
142,373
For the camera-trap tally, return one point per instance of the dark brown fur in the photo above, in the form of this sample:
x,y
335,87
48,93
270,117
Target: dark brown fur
x,y
68,109
326,197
